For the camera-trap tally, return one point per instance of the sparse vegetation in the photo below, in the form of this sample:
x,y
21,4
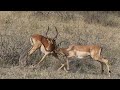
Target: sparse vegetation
x,y
80,27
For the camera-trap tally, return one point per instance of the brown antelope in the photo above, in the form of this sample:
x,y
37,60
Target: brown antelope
x,y
80,51
46,45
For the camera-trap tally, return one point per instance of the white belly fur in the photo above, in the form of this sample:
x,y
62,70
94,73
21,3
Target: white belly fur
x,y
43,50
82,54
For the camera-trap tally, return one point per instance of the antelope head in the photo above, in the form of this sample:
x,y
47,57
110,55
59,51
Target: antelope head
x,y
52,41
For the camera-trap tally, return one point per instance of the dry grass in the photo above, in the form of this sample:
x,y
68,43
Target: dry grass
x,y
83,27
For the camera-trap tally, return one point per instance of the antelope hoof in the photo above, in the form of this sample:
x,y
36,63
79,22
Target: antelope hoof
x,y
109,71
65,69
58,69
102,72
35,65
68,69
